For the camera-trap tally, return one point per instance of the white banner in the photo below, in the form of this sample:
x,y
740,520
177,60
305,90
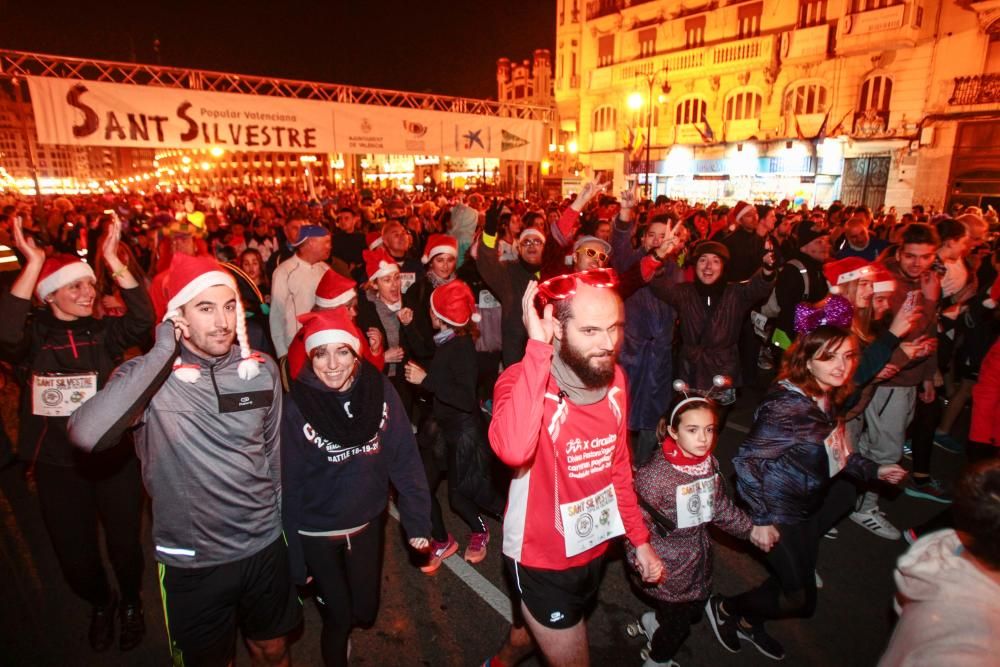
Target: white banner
x,y
93,113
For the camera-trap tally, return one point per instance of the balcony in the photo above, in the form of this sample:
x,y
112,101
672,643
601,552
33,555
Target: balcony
x,y
984,89
598,8
897,25
739,55
805,43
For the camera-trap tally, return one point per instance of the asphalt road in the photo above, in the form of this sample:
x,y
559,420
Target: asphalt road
x,y
445,620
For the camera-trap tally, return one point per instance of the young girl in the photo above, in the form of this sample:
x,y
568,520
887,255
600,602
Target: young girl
x,y
681,491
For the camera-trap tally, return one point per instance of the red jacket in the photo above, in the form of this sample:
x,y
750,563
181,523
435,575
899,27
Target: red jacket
x,y
546,438
985,427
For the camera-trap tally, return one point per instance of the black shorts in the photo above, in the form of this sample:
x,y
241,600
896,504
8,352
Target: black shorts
x,y
204,606
556,598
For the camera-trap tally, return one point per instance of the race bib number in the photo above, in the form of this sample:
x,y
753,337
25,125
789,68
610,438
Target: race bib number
x,y
487,300
695,503
60,395
590,521
406,280
838,449
759,321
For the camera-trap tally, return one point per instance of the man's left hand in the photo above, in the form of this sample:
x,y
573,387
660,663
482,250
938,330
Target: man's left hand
x,y
649,564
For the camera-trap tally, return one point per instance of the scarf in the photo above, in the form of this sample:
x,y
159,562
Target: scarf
x,y
678,457
390,321
349,419
437,281
571,384
443,336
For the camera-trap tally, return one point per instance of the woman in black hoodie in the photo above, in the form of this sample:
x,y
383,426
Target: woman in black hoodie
x,y
345,436
67,355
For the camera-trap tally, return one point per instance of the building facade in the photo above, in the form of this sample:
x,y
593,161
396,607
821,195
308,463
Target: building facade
x,y
867,101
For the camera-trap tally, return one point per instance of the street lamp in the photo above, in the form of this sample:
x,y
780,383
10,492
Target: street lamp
x,y
635,102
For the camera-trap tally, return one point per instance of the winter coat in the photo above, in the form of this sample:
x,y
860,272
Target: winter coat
x,y
710,333
508,280
949,609
985,427
782,467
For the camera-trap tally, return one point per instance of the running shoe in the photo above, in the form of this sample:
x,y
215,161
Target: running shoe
x,y
102,625
932,490
875,522
910,535
133,626
819,579
439,551
476,551
649,624
723,625
908,449
949,444
832,534
764,642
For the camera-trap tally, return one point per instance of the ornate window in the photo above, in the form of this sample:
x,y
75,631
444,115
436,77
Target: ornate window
x,y
604,118
806,98
743,105
876,93
690,110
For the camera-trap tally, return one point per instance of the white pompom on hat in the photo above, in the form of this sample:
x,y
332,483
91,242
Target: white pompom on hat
x,y
59,271
189,277
454,304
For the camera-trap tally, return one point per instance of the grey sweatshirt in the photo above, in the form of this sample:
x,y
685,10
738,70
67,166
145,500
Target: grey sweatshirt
x,y
209,450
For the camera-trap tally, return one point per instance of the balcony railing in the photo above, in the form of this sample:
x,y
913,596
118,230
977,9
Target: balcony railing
x,y
702,61
983,89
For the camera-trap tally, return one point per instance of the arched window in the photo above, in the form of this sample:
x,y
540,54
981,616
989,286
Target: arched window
x,y
806,98
604,118
876,93
743,105
691,110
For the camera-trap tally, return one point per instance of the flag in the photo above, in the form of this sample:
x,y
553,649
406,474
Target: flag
x,y
798,129
707,135
821,135
838,128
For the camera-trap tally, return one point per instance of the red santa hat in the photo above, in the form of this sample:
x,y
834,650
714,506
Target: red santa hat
x,y
334,290
454,304
324,327
190,276
438,244
373,240
845,270
378,263
59,271
738,211
882,279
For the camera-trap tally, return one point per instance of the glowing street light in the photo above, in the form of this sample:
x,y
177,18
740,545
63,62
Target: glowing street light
x,y
635,101
572,146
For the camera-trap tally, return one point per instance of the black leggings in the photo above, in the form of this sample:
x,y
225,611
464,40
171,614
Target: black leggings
x,y
346,572
790,592
675,619
73,499
464,507
926,417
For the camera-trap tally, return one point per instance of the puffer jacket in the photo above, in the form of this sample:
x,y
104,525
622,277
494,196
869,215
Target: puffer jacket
x,y
782,467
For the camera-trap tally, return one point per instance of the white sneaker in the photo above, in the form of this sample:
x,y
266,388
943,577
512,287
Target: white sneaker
x,y
874,521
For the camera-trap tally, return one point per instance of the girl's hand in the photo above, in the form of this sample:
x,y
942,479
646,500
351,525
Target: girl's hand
x,y
109,249
394,355
414,374
374,340
892,473
405,316
26,245
649,564
420,543
764,537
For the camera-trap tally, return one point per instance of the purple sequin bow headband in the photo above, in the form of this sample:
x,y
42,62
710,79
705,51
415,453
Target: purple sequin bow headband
x,y
835,311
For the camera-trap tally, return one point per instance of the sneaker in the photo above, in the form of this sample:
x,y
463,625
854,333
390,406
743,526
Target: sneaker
x,y
649,662
649,624
875,522
948,443
908,449
819,579
133,626
910,535
476,551
439,551
723,625
764,642
764,362
832,534
932,489
102,625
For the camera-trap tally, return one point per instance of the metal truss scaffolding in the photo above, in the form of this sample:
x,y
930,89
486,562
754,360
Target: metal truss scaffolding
x,y
16,64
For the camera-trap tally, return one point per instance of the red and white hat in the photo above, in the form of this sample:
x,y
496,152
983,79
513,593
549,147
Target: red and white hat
x,y
334,290
739,210
438,244
454,304
323,327
882,279
531,231
373,240
190,276
845,270
378,263
59,271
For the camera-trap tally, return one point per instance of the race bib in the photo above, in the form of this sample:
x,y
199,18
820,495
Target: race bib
x,y
58,395
406,280
838,449
487,300
589,521
695,502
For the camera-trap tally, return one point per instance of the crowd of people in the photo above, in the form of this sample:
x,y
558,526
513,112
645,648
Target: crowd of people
x,y
274,368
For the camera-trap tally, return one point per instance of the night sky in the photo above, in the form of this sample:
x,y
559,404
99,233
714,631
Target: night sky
x,y
425,46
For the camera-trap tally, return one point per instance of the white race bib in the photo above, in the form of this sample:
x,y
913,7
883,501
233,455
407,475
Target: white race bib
x,y
487,300
695,502
589,521
838,449
406,280
58,395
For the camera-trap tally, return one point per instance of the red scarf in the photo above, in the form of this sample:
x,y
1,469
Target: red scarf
x,y
677,456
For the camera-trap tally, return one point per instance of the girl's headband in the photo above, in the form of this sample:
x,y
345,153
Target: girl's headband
x,y
720,382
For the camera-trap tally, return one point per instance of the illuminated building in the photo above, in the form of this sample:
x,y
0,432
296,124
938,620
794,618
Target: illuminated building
x,y
761,100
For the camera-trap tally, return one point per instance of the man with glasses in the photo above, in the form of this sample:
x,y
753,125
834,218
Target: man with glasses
x,y
559,422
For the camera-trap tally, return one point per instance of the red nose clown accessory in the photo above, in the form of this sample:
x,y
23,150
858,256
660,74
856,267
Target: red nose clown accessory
x,y
378,263
189,277
327,327
845,270
440,244
454,304
59,271
334,290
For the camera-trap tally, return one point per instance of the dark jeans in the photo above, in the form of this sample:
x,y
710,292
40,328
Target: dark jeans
x,y
73,500
346,573
675,619
790,592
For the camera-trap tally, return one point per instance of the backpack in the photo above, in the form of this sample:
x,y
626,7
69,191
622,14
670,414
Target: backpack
x,y
771,309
